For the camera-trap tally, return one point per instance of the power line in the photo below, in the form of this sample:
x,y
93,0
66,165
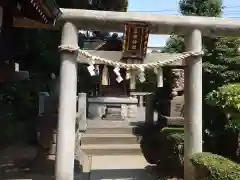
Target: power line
x,y
230,7
159,11
229,11
175,13
237,8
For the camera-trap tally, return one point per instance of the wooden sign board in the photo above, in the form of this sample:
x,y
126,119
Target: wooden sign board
x,y
135,40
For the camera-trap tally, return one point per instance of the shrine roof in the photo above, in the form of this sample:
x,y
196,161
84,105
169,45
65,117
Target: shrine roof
x,y
44,11
112,50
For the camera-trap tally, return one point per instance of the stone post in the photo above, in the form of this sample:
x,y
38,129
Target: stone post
x,y
141,97
82,110
193,102
64,168
105,76
42,97
149,109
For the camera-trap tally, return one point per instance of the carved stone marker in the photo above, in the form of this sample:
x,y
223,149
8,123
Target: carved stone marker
x,y
177,105
175,116
176,113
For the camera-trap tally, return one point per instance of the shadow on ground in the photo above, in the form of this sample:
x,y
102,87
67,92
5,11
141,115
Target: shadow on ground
x,y
28,162
149,173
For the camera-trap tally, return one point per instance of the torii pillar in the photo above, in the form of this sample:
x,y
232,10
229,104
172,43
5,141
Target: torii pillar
x,y
193,101
64,168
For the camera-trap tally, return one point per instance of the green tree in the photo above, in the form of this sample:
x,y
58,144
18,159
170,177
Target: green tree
x,y
221,54
219,61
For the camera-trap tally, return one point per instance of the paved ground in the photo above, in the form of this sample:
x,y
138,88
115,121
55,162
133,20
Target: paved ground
x,y
119,168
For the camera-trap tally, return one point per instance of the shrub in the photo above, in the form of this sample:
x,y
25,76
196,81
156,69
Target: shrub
x,y
227,98
165,148
214,167
172,150
172,130
151,146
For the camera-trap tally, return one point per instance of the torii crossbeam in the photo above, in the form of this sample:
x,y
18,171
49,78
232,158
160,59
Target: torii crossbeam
x,y
158,23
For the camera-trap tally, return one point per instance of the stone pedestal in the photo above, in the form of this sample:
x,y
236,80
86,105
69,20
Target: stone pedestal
x,y
96,110
132,111
97,107
124,111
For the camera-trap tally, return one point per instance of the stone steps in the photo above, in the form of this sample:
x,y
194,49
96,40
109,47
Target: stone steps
x,y
109,129
111,149
109,139
113,118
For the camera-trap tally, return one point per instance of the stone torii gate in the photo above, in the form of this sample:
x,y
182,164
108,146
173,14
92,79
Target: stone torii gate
x,y
192,27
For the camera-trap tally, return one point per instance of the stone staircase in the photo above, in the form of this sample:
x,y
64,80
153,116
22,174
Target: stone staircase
x,y
113,152
98,141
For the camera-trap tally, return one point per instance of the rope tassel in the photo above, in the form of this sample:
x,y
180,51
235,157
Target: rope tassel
x,y
142,75
105,76
117,72
128,74
159,73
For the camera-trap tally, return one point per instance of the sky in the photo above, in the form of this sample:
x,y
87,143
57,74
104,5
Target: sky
x,y
232,9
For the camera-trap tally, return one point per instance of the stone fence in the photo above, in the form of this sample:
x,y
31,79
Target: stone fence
x,y
81,121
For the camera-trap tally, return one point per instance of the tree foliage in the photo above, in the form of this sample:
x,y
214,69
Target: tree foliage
x,y
226,97
221,53
201,8
220,67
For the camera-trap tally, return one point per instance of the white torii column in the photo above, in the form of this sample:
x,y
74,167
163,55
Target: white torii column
x,y
193,101
64,168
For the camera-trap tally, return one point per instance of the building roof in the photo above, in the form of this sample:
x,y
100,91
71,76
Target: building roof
x,y
150,58
44,11
112,49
